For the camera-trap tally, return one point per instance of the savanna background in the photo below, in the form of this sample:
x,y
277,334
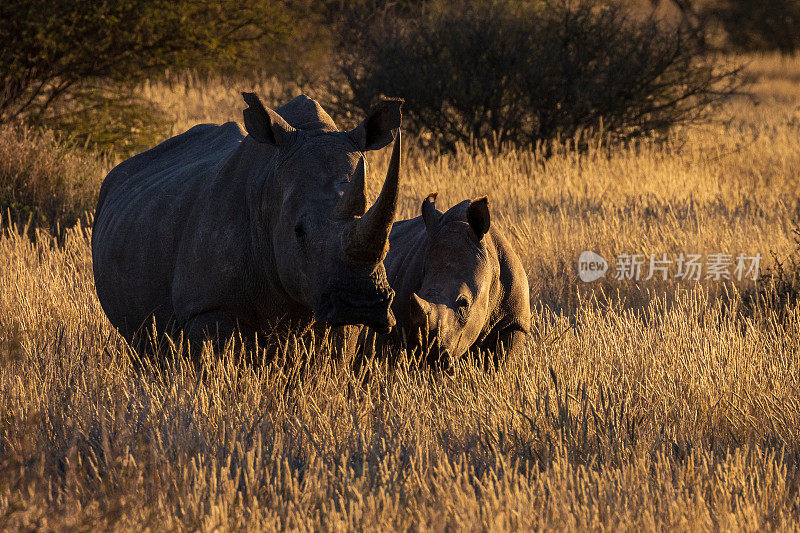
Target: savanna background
x,y
633,127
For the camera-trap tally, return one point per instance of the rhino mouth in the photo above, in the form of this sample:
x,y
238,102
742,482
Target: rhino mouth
x,y
338,309
377,317
361,301
438,357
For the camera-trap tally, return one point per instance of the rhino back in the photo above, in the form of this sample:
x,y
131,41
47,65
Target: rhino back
x,y
144,212
511,295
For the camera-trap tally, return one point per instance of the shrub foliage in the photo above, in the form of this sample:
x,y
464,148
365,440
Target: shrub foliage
x,y
520,72
759,24
68,56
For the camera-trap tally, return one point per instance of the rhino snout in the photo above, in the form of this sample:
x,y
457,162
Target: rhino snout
x,y
439,358
377,319
381,323
340,308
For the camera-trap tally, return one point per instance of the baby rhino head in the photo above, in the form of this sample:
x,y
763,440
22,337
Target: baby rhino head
x,y
452,304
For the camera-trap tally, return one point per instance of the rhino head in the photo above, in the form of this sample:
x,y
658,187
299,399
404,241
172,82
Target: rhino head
x,y
328,248
451,307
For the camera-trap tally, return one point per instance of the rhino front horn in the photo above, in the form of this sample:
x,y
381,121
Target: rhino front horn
x,y
419,310
366,240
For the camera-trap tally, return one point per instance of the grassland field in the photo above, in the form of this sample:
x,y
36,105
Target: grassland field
x,y
638,405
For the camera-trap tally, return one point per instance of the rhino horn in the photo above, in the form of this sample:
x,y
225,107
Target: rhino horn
x,y
353,202
367,238
419,310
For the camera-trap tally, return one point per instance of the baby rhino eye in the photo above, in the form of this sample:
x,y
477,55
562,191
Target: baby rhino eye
x,y
462,306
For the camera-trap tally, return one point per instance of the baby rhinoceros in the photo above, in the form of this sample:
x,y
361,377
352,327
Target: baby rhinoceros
x,y
459,286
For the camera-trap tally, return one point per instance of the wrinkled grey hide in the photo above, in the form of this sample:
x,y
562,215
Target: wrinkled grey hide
x,y
212,230
456,277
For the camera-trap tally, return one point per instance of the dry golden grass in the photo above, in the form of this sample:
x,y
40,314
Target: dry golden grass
x,y
657,406
45,179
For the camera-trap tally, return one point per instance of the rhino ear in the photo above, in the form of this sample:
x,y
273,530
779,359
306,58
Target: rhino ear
x,y
478,216
377,130
263,124
430,214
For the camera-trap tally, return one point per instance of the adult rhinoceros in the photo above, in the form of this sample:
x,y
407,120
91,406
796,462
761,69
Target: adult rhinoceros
x,y
211,231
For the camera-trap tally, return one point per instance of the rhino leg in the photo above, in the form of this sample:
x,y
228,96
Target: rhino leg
x,y
216,327
340,341
501,346
368,345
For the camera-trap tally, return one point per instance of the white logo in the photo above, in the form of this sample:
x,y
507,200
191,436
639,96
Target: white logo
x,y
591,266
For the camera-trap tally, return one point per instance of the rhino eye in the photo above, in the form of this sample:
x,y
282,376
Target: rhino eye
x,y
300,233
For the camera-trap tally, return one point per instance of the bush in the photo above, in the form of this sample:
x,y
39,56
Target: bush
x,y
519,72
65,58
759,24
778,289
118,123
46,181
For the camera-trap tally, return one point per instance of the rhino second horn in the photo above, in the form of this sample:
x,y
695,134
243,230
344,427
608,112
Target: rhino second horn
x,y
353,202
367,238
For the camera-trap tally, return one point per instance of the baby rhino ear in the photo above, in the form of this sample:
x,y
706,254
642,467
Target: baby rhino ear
x,y
478,216
430,214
